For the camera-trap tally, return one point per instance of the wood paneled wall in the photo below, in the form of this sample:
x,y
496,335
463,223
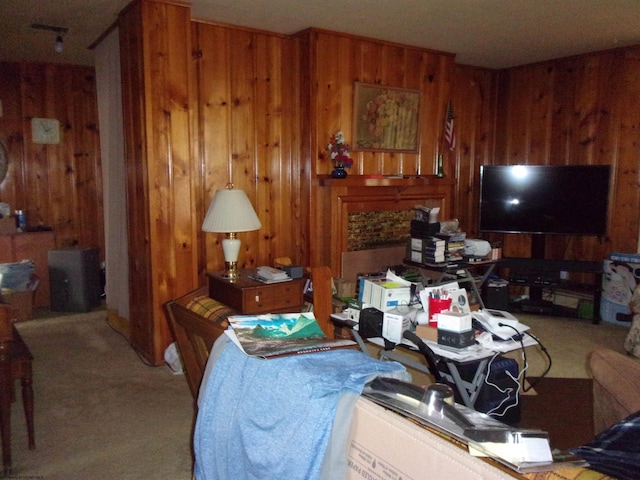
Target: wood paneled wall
x,y
161,172
337,62
247,125
331,63
207,104
581,110
57,185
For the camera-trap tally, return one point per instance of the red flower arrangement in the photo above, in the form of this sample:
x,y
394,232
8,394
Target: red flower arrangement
x,y
339,151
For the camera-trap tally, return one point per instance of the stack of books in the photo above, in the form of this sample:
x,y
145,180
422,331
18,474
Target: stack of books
x,y
455,244
427,250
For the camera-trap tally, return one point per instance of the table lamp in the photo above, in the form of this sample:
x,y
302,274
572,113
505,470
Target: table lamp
x,y
230,212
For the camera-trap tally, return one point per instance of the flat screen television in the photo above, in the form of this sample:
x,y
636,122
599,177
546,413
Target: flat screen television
x,y
544,199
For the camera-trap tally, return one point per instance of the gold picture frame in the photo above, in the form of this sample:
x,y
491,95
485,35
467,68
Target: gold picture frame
x,y
385,118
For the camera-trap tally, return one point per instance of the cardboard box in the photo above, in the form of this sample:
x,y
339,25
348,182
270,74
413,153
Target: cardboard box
x,y
618,282
396,321
385,295
7,225
454,321
427,332
456,339
22,301
344,288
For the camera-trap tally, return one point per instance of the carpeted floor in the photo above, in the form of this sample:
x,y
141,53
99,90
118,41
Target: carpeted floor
x,y
101,413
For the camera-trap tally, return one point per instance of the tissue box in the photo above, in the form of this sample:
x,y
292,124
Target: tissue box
x,y
454,321
454,329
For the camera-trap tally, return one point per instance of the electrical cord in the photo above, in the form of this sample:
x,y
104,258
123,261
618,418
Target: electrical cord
x,y
524,355
507,392
544,350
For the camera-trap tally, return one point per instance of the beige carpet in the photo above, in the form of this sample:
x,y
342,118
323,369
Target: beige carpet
x,y
568,341
101,413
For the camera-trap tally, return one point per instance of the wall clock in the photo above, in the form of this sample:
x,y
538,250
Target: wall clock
x,y
45,130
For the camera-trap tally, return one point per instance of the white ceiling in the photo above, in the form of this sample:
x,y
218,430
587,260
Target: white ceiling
x,y
486,33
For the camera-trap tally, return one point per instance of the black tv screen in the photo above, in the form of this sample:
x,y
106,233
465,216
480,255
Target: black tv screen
x,y
546,199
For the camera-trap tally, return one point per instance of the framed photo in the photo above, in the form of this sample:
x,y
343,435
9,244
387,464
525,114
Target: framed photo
x,y
385,118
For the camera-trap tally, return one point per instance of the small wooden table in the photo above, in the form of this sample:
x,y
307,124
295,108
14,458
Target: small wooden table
x,y
249,296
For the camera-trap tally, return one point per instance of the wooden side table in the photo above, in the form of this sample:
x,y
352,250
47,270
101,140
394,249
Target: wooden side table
x,y
249,296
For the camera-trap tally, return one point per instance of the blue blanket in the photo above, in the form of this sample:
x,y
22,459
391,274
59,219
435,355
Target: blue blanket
x,y
273,418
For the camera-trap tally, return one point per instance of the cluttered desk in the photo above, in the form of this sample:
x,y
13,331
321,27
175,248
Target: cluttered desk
x,y
467,368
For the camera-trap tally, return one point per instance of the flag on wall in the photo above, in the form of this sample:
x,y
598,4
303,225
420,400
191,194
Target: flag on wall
x,y
449,132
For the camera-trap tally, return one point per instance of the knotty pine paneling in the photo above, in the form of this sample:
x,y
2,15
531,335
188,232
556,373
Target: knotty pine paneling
x,y
340,61
331,63
473,97
247,90
57,185
580,110
163,236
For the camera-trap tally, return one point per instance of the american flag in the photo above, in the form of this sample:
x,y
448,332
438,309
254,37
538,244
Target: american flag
x,y
449,132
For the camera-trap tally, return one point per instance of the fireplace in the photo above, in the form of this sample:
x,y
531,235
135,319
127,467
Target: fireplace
x,y
361,214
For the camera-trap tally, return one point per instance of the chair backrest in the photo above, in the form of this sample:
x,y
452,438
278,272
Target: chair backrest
x,y
322,298
195,334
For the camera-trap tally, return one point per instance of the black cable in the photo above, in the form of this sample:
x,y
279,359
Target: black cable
x,y
518,336
544,350
524,355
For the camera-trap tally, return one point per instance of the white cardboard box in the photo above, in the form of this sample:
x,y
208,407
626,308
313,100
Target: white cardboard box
x,y
454,321
395,322
385,295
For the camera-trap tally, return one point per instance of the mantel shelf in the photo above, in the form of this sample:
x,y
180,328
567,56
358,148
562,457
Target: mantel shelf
x,y
389,181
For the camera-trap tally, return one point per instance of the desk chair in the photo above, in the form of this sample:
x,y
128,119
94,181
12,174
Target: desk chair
x,y
15,363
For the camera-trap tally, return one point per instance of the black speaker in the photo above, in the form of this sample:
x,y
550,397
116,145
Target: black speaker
x,y
74,278
496,295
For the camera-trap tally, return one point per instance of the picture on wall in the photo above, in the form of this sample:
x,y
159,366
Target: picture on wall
x,y
385,118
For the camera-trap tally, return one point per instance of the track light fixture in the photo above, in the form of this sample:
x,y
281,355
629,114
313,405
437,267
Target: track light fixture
x,y
61,31
59,46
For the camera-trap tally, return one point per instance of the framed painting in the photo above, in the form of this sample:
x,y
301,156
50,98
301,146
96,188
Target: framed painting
x,y
385,118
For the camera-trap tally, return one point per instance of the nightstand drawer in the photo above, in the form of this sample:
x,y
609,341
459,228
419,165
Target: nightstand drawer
x,y
272,298
249,296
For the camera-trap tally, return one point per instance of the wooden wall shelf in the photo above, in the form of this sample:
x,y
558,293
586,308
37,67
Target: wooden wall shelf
x,y
385,181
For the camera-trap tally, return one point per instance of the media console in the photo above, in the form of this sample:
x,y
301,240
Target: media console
x,y
538,274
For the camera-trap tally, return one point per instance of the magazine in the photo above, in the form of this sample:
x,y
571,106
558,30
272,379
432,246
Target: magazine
x,y
274,335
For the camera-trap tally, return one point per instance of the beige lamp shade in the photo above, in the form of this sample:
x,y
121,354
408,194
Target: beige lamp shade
x,y
230,211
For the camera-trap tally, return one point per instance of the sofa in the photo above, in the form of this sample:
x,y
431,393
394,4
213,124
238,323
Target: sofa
x,y
616,387
381,443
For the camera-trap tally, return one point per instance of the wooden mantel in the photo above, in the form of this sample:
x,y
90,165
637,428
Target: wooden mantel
x,y
337,198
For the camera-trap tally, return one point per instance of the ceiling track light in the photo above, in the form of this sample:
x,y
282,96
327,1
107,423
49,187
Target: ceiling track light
x,y
61,31
59,46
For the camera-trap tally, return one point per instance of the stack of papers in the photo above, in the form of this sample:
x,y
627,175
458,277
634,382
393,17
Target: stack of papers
x,y
270,275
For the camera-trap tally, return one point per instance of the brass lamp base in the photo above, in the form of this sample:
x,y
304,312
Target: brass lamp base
x,y
231,270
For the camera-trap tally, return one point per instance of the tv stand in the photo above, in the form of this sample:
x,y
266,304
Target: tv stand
x,y
538,274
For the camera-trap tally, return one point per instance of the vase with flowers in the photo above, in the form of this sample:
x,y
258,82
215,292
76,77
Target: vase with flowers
x,y
339,153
